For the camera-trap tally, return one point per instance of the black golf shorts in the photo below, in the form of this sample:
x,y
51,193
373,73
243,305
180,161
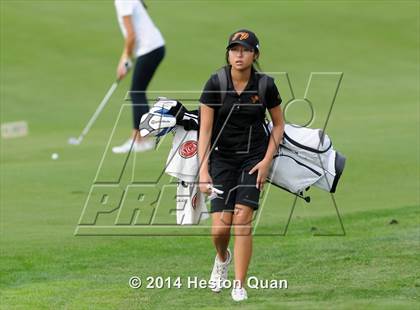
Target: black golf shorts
x,y
230,173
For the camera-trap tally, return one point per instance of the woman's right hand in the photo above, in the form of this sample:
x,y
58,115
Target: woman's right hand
x,y
204,182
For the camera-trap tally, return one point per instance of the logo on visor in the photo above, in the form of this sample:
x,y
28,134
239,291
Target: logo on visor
x,y
240,35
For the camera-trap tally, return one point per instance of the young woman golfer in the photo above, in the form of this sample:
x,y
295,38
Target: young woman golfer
x,y
235,152
144,42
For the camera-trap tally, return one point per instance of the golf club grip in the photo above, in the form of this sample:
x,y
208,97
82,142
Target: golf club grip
x,y
128,66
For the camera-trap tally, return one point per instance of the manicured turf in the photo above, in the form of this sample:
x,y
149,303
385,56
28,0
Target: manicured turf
x,y
57,61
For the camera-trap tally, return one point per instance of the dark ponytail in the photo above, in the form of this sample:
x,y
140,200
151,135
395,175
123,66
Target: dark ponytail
x,y
257,66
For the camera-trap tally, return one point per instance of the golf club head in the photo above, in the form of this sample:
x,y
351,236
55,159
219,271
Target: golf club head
x,y
73,141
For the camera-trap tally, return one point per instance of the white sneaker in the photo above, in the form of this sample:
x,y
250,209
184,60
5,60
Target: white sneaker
x,y
239,294
145,145
137,146
219,272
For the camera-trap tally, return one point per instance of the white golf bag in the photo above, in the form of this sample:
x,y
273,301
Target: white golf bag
x,y
306,158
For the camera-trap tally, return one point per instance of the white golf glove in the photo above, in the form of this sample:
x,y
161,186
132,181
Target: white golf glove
x,y
214,192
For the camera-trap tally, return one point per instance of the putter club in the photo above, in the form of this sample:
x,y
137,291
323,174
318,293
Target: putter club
x,y
78,140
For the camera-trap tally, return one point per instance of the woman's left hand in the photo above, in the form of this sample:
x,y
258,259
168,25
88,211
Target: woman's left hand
x,y
263,167
123,67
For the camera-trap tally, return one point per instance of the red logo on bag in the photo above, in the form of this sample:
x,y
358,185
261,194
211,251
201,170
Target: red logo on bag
x,y
194,201
188,149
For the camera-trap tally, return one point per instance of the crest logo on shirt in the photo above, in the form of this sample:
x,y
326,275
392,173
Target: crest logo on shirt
x,y
255,98
188,149
240,35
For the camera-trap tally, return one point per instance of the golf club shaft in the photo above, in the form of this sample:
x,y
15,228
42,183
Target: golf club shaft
x,y
98,110
101,106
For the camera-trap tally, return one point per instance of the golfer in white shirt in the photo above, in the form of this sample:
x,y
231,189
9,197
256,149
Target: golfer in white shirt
x,y
144,45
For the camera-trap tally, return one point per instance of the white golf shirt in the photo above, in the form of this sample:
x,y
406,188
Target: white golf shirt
x,y
148,37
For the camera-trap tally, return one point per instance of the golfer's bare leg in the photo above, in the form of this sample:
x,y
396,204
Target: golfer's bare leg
x,y
242,225
135,135
220,230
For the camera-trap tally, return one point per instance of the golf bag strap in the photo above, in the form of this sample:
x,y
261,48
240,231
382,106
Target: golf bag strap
x,y
262,88
223,86
223,83
262,91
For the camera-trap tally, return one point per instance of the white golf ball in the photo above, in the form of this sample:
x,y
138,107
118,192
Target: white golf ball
x,y
54,156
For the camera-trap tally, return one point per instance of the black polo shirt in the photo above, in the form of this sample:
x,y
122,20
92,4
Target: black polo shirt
x,y
243,115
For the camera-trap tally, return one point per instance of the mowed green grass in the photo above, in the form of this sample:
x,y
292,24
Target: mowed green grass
x,y
57,61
